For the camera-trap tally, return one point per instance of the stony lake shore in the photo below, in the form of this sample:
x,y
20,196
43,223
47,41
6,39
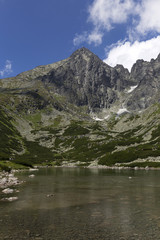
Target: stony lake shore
x,y
8,183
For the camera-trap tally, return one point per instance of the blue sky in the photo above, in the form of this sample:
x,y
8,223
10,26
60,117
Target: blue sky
x,y
39,32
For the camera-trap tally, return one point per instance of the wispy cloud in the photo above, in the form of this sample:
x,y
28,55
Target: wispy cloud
x,y
7,69
104,14
80,38
94,37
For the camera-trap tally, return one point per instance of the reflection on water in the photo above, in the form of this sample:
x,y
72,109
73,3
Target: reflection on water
x,y
82,204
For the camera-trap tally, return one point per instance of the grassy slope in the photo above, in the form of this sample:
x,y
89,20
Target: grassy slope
x,y
80,141
83,141
84,149
10,140
10,137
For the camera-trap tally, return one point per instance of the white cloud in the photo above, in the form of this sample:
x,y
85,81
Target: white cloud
x,y
79,38
104,13
93,37
149,16
127,53
7,69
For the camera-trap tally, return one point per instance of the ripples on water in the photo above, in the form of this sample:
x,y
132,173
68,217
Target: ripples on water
x,y
84,204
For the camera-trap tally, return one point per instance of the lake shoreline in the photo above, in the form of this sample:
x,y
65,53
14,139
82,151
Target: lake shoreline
x,y
95,165
11,180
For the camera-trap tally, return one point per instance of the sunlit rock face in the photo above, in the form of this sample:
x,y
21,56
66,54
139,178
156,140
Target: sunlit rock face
x,y
85,80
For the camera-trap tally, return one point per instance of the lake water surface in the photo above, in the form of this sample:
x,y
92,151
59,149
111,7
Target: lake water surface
x,y
84,204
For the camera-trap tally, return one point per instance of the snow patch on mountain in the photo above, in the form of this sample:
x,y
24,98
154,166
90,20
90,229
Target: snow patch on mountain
x,y
122,110
100,119
132,89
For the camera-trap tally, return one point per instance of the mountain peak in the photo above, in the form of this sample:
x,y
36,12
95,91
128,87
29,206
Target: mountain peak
x,y
83,52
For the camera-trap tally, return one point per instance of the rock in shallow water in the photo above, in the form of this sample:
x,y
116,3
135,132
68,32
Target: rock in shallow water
x,y
7,180
8,190
33,169
50,195
10,199
31,176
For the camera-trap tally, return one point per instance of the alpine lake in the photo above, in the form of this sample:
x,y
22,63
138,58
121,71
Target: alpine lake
x,y
83,204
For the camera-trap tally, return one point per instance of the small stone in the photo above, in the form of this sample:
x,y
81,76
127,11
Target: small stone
x,y
31,176
10,199
8,191
33,169
50,195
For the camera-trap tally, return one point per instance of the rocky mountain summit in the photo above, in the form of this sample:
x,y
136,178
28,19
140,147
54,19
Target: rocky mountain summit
x,y
85,80
81,110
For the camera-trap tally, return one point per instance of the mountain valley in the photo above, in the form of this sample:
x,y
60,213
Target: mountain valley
x,y
80,111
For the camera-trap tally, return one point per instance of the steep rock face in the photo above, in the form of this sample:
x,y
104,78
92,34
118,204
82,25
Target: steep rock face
x,y
86,80
147,78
